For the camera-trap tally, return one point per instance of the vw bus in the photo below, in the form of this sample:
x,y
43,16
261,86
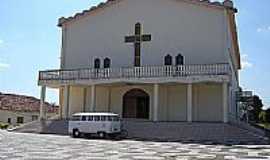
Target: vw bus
x,y
101,124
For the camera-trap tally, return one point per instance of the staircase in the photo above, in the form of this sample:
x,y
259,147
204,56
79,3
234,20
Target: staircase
x,y
192,132
59,127
164,131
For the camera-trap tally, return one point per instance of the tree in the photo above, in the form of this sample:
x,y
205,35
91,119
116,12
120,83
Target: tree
x,y
257,109
262,117
267,115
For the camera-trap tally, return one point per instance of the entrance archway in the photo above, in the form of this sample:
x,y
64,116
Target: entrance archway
x,y
136,104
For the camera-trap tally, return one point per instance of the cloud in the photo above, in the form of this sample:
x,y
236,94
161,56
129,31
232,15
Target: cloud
x,y
2,43
259,30
245,62
263,29
3,65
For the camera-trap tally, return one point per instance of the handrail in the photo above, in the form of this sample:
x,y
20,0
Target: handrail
x,y
136,72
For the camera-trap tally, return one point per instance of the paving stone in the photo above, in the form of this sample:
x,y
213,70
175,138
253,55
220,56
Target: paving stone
x,y
14,146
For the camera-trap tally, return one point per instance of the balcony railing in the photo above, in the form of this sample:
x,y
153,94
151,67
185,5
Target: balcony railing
x,y
135,72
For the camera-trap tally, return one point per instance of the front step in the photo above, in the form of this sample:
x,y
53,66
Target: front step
x,y
163,131
177,131
59,127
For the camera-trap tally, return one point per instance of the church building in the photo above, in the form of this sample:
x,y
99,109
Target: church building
x,y
149,60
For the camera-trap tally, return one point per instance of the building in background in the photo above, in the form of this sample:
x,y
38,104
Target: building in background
x,y
19,109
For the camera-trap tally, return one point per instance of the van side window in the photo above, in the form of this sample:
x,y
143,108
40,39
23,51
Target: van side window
x,y
90,118
76,118
83,118
109,118
103,118
97,118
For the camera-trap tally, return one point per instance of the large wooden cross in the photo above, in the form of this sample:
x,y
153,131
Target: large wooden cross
x,y
137,39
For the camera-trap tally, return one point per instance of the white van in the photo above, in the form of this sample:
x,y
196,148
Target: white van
x,y
102,124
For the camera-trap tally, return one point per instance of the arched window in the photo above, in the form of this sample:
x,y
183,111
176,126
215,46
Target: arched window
x,y
168,60
179,60
107,63
97,63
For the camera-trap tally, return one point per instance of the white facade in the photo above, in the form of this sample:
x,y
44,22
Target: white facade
x,y
17,118
203,33
197,32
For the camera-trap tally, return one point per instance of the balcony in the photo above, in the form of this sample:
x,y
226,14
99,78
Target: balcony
x,y
219,72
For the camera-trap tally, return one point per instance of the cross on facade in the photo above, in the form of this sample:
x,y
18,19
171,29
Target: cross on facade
x,y
137,39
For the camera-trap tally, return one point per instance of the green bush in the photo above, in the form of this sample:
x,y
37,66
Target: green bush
x,y
262,117
267,115
4,125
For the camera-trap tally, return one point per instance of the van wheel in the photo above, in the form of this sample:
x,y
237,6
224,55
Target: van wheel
x,y
76,133
101,135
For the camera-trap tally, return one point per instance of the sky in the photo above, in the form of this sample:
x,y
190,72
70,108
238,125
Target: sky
x,y
30,41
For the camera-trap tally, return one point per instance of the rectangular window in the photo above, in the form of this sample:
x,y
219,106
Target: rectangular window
x,y
9,120
103,118
76,118
90,118
109,118
20,120
34,117
83,118
97,118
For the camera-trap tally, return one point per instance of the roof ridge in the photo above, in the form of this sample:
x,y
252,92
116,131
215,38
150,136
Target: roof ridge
x,y
19,95
23,103
228,4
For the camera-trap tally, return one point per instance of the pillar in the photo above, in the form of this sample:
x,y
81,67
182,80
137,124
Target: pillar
x,y
109,99
93,98
66,102
84,99
156,100
225,102
42,114
189,102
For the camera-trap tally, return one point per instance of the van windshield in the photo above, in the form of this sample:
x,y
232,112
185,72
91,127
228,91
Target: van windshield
x,y
115,118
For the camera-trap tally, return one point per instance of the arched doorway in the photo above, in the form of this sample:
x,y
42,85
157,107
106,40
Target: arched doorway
x,y
136,104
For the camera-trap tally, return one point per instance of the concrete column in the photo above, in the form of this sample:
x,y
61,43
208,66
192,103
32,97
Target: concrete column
x,y
66,102
156,104
189,102
60,111
109,99
84,99
42,109
225,102
93,98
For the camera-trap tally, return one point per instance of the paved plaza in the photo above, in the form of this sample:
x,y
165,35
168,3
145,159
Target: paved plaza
x,y
16,146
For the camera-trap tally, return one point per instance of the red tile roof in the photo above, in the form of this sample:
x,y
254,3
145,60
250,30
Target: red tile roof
x,y
21,103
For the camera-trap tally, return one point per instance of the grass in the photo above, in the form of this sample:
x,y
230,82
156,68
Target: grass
x,y
4,125
265,125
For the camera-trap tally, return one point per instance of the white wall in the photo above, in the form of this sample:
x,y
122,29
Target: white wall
x,y
172,100
75,100
108,98
207,102
177,103
27,116
176,27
